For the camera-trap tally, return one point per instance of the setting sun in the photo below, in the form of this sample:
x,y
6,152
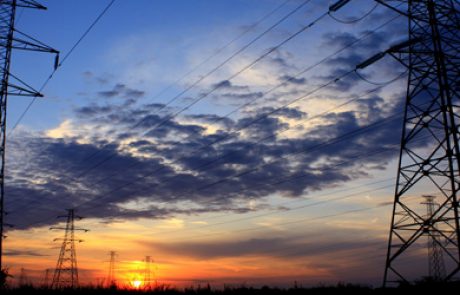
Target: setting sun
x,y
136,284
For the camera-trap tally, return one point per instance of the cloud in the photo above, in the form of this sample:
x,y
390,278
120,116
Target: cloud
x,y
244,96
183,162
132,153
228,85
121,90
65,129
358,47
10,252
293,80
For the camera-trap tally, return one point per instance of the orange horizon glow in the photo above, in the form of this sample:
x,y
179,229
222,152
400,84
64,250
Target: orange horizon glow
x,y
136,284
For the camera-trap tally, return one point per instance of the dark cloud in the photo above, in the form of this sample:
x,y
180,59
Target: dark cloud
x,y
293,80
213,119
242,96
228,85
140,154
290,113
282,59
93,110
121,90
10,252
359,49
166,161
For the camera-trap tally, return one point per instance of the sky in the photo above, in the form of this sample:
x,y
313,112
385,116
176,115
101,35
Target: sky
x,y
231,141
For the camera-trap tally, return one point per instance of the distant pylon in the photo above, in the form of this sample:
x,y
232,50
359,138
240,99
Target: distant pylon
x,y
23,280
66,272
47,278
148,273
430,153
111,281
8,42
436,267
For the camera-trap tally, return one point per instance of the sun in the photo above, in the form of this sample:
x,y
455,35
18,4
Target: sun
x,y
136,284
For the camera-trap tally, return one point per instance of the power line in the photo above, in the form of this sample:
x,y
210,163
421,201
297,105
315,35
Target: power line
x,y
296,177
347,22
355,132
199,168
292,102
302,220
113,154
72,49
108,194
213,70
367,34
232,133
221,49
331,141
288,210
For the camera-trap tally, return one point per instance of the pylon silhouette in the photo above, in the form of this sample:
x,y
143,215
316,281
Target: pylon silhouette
x,y
147,273
436,267
111,281
429,156
23,279
46,279
66,272
8,42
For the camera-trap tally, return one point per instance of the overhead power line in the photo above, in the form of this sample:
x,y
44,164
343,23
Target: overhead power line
x,y
143,177
342,137
221,49
188,88
331,141
232,133
263,116
246,126
66,56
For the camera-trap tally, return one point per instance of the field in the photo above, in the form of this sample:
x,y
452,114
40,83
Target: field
x,y
436,288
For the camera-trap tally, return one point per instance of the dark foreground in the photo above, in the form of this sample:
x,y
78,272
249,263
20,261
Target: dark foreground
x,y
436,288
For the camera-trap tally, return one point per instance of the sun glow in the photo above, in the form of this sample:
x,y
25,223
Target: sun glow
x,y
136,284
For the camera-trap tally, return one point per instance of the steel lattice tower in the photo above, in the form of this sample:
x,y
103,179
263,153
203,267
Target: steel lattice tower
x,y
8,42
23,280
111,276
148,273
46,279
66,272
436,267
429,156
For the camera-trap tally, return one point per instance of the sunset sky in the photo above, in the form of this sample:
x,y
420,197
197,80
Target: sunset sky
x,y
214,136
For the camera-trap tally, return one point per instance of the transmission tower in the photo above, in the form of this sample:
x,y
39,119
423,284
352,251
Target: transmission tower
x,y
11,38
436,267
111,282
23,280
46,279
148,273
66,272
429,156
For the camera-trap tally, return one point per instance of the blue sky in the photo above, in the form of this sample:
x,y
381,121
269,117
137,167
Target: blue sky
x,y
161,39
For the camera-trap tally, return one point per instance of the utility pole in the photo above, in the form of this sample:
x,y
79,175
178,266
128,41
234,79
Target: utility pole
x,y
66,272
436,267
11,38
111,281
429,156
